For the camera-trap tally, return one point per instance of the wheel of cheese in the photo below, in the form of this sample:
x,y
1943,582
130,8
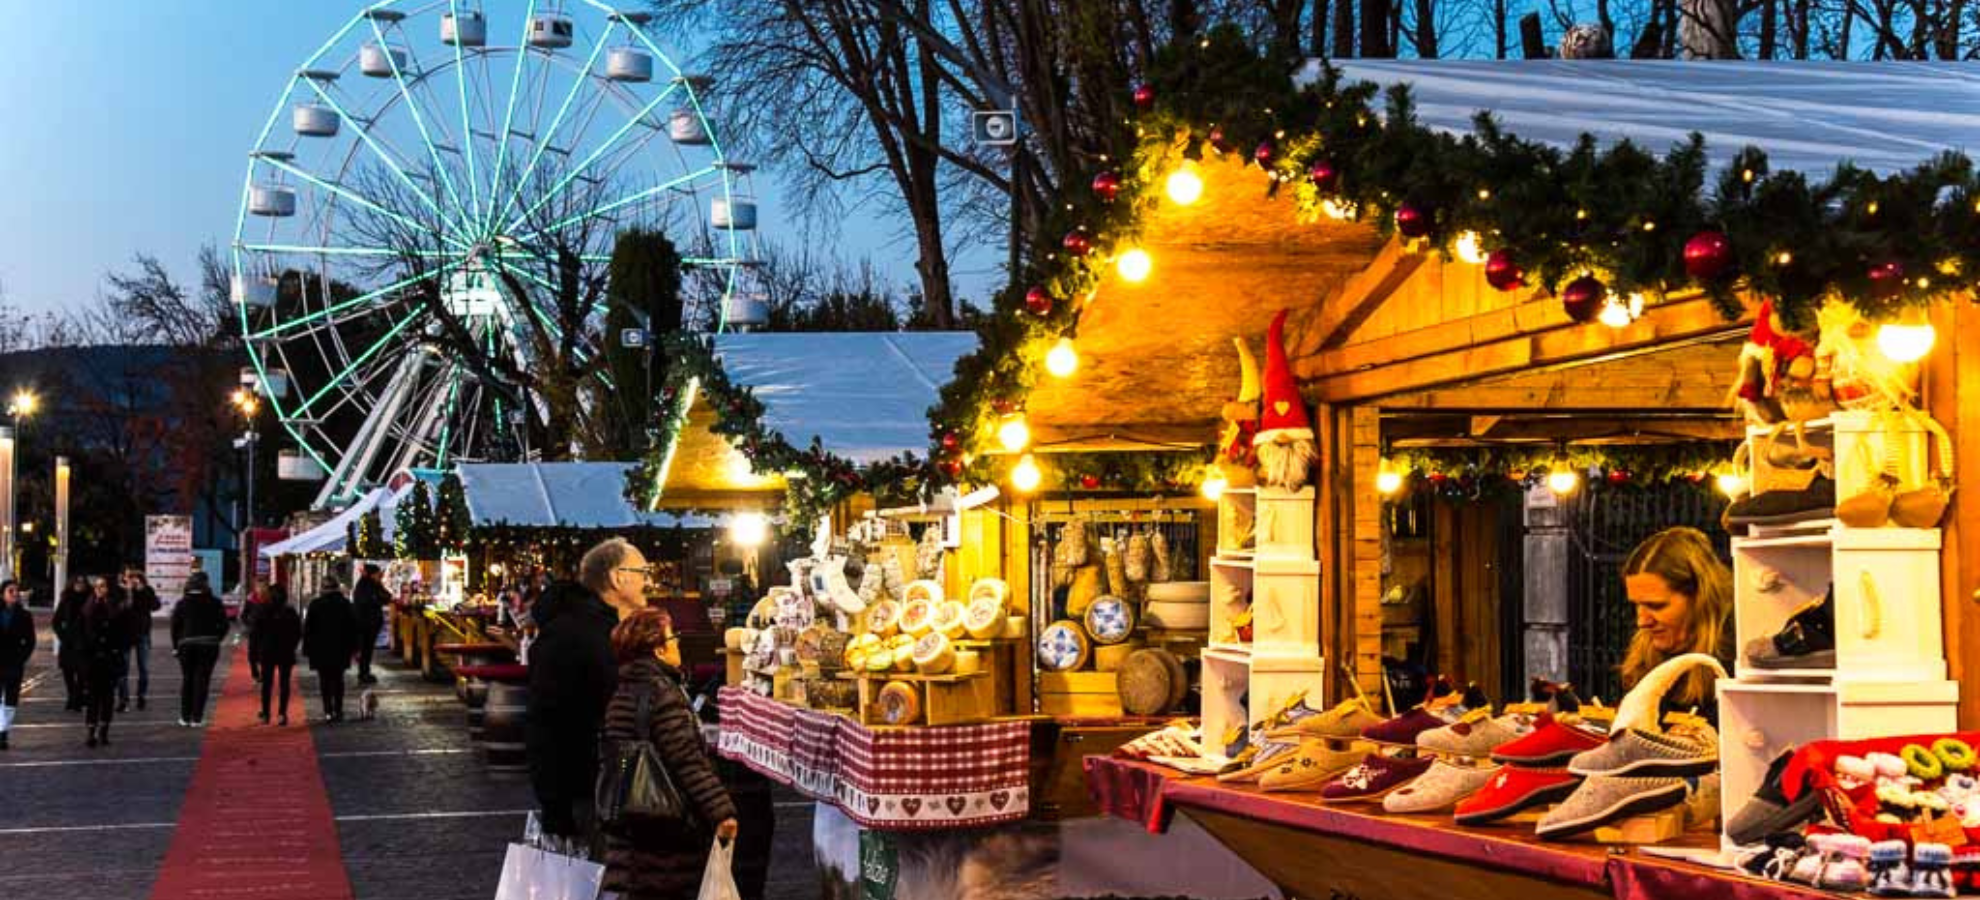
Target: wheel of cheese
x,y
1179,592
898,704
903,649
1109,620
933,654
883,618
984,618
990,589
949,618
1110,657
925,589
859,649
918,616
1063,647
1178,677
968,662
1146,683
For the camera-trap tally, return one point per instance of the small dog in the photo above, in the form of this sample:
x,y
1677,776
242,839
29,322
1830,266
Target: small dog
x,y
367,706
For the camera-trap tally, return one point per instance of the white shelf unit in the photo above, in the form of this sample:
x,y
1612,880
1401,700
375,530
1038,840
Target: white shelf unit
x,y
1274,573
1858,441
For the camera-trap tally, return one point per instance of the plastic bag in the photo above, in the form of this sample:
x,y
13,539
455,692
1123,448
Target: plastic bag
x,y
532,874
717,881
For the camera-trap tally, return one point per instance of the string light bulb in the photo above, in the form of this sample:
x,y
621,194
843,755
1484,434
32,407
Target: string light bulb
x,y
1184,186
1063,360
749,529
1730,484
1614,314
1134,265
1015,433
1469,247
1025,477
1908,339
1387,480
1214,484
1563,480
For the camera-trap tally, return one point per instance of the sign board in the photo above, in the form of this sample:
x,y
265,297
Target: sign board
x,y
168,555
879,865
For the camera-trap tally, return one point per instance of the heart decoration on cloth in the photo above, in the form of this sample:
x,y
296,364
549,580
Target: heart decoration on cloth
x,y
872,805
957,805
999,798
912,805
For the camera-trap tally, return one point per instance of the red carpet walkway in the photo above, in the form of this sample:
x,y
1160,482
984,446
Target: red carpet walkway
x,y
256,821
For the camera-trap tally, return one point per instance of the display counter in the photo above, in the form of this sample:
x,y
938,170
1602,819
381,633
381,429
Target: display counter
x,y
1318,850
906,779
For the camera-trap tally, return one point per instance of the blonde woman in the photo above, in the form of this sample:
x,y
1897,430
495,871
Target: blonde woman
x,y
1683,598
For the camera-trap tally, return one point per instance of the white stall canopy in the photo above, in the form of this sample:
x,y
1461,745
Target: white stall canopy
x,y
864,395
561,495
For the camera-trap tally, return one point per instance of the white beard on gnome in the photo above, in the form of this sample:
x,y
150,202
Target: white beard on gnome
x,y
1286,462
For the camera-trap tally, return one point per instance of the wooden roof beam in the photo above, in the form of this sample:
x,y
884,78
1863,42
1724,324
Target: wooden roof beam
x,y
1345,308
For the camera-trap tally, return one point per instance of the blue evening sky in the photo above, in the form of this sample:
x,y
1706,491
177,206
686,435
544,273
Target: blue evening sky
x,y
124,128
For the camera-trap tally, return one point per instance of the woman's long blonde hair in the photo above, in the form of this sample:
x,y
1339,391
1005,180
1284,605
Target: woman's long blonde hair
x,y
1684,558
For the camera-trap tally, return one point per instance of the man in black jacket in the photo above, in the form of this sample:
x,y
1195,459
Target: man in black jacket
x,y
199,623
143,602
330,640
572,674
369,600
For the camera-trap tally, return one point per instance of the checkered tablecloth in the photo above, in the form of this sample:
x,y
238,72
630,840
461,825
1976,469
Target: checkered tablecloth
x,y
950,776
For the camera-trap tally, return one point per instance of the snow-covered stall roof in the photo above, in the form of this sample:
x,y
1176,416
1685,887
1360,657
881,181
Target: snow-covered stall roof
x,y
330,536
864,395
1808,116
560,495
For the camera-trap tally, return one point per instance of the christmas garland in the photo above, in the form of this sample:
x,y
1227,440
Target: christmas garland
x,y
1589,223
815,480
1155,472
1461,471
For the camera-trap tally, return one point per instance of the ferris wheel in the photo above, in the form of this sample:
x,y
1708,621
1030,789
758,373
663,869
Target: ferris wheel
x,y
428,216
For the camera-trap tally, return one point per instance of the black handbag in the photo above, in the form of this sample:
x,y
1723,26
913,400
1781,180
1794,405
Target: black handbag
x,y
634,790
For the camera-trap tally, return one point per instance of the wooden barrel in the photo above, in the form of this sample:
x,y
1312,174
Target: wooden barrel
x,y
502,727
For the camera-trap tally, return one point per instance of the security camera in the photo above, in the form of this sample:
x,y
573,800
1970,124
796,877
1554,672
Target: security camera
x,y
994,127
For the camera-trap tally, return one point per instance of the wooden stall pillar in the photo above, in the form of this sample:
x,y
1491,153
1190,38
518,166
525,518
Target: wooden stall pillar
x,y
1365,454
1952,393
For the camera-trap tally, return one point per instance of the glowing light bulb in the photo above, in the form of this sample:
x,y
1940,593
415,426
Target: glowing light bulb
x,y
1014,434
1063,360
1134,265
1730,484
1614,314
1388,482
1563,481
1469,248
1906,341
1336,210
1026,476
749,529
1184,186
1214,484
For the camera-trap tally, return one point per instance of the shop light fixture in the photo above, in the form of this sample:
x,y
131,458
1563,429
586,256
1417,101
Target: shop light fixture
x,y
1469,247
1015,433
1388,481
1025,477
1063,360
1731,484
1214,484
1563,480
1908,339
1184,186
1134,265
749,529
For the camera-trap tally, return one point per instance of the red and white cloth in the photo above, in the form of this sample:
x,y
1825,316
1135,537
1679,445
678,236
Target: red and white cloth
x,y
947,776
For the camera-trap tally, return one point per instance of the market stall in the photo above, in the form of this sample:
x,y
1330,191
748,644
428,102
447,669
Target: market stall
x,y
1511,336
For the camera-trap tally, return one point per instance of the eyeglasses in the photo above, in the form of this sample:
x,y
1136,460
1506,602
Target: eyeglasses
x,y
647,570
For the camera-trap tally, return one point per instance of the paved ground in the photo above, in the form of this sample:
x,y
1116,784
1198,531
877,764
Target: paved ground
x,y
418,816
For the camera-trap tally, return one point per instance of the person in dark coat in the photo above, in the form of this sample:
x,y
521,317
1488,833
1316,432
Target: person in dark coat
x,y
67,624
106,641
649,665
277,630
16,646
199,624
257,600
140,602
369,600
330,636
572,672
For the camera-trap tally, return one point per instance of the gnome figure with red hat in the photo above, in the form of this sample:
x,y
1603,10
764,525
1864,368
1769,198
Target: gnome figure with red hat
x,y
1285,443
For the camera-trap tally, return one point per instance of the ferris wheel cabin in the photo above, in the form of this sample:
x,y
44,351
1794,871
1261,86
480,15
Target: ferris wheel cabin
x,y
253,292
629,64
381,60
275,201
551,31
316,120
472,294
468,29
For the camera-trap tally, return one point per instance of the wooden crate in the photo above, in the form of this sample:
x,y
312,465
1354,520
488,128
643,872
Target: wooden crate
x,y
945,699
1079,695
1058,773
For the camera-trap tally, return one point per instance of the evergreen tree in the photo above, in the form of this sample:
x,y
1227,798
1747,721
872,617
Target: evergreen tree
x,y
370,539
453,520
415,525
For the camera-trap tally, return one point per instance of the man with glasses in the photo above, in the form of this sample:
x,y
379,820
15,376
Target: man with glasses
x,y
572,674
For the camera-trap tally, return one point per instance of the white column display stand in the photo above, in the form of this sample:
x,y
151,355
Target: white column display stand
x,y
1275,575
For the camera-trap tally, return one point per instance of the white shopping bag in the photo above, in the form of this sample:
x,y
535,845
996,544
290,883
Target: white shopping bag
x,y
532,874
717,883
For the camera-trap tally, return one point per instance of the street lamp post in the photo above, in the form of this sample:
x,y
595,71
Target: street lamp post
x,y
248,404
19,407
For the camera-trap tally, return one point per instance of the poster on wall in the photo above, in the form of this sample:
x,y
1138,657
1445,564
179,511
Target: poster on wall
x,y
168,555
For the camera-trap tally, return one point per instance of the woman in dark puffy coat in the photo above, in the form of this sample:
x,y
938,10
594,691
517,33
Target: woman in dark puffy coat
x,y
16,645
277,631
649,661
106,638
67,623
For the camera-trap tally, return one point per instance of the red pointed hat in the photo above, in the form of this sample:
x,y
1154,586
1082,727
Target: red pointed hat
x,y
1283,414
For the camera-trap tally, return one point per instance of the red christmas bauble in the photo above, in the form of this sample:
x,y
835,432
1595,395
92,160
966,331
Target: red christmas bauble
x,y
1886,279
1501,272
1324,176
1106,185
1003,406
951,441
1413,221
1707,255
1263,154
1077,243
1038,301
1582,298
1217,140
952,468
1089,482
1144,96
1438,478
1618,476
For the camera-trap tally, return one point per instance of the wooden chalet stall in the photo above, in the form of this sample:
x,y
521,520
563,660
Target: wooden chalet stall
x,y
1409,356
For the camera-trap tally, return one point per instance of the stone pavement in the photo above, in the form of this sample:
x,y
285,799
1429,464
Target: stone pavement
x,y
417,815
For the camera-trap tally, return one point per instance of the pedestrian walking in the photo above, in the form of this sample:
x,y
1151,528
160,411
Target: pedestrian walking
x,y
16,645
69,655
199,623
368,601
106,645
277,629
330,640
649,674
257,601
140,602
572,672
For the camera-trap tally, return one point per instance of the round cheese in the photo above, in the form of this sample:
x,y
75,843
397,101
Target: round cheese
x,y
1110,657
898,704
1146,683
949,618
925,589
968,662
918,616
990,589
884,618
933,654
1109,620
1063,647
984,618
902,647
859,649
1179,592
